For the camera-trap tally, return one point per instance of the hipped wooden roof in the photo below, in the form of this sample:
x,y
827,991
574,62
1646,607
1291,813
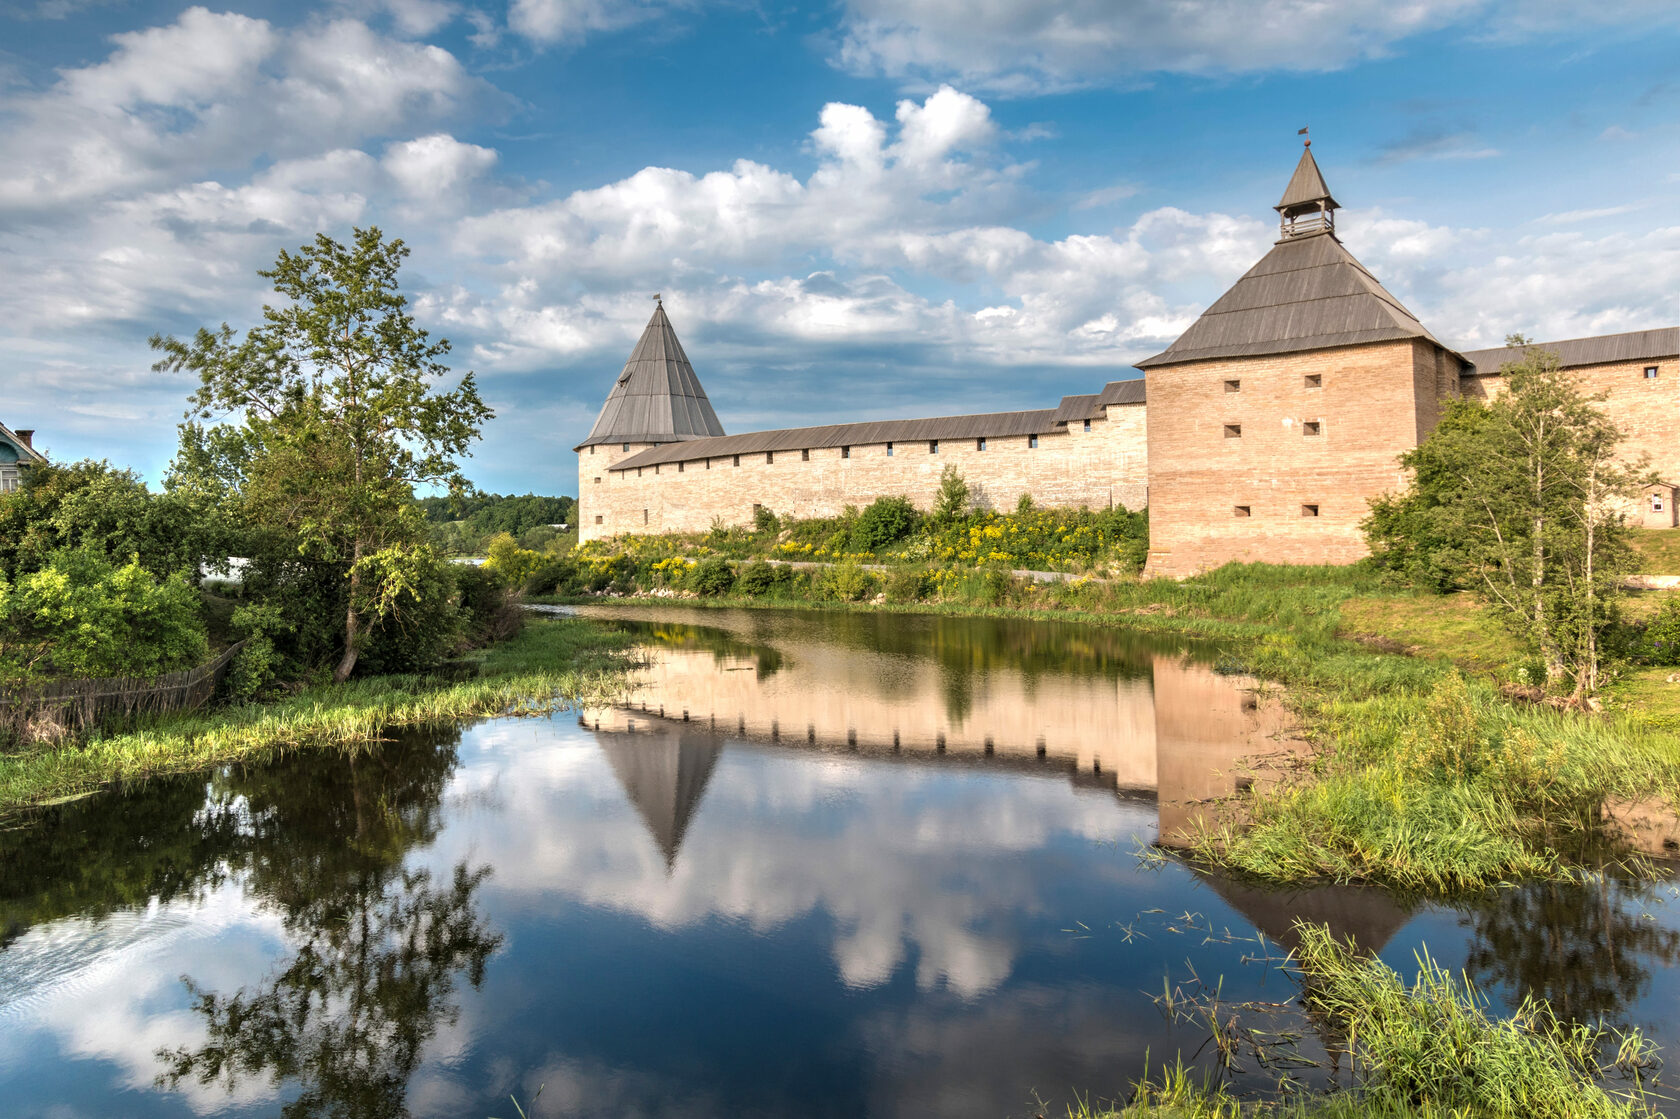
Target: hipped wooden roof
x,y
657,398
1635,345
1308,293
992,425
1306,189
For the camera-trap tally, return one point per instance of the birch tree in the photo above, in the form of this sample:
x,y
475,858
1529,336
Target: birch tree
x,y
340,415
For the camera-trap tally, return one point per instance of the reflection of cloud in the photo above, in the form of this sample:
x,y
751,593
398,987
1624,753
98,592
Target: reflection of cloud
x,y
892,863
110,991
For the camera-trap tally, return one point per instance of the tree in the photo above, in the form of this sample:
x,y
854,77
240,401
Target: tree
x,y
338,419
1522,501
952,500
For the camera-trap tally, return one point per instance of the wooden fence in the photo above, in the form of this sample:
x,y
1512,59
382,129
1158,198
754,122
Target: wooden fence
x,y
58,708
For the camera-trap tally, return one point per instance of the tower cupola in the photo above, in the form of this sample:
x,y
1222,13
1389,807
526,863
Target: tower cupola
x,y
1307,206
657,398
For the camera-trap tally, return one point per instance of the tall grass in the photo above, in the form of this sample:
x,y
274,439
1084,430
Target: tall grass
x,y
1419,1051
549,665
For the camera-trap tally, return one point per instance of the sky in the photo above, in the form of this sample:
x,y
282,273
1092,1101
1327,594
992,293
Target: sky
x,y
855,210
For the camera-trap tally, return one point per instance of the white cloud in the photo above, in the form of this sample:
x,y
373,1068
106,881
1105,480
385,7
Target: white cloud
x,y
1027,46
436,165
556,21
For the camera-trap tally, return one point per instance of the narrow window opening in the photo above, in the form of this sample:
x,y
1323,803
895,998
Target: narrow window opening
x,y
1032,442
708,464
1233,386
591,448
644,516
1239,510
845,452
597,518
597,481
769,457
1087,425
933,446
805,455
1311,427
737,460
1650,372
979,444
656,468
889,450
679,468
638,472
1314,380
1233,431
626,446
1309,510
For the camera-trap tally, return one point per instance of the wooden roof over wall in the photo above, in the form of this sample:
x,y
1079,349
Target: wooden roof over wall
x,y
1605,349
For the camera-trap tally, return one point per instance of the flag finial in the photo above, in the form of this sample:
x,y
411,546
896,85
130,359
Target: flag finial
x,y
1308,141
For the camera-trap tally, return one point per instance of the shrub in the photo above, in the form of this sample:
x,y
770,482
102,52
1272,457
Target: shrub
x,y
255,669
909,584
761,578
558,575
765,521
1662,635
512,564
80,616
885,520
711,577
849,582
424,625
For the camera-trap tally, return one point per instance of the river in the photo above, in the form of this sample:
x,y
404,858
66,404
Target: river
x,y
820,864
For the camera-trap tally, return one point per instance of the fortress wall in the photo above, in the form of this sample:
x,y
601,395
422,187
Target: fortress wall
x,y
1648,412
1372,403
1094,469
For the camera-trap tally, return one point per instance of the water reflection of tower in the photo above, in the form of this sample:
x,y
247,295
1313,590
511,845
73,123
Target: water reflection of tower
x,y
664,771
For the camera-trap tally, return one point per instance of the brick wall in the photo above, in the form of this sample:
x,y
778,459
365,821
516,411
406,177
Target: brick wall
x,y
1371,404
1094,469
1647,411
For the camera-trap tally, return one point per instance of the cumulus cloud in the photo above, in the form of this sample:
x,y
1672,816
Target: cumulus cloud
x,y
1025,46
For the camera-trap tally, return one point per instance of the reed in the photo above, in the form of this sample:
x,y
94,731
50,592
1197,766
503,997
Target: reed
x,y
551,664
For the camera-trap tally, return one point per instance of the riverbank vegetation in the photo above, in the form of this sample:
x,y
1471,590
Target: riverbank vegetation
x,y
1424,1050
551,663
463,524
288,523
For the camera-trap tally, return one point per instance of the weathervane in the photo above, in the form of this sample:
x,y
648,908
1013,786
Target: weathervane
x,y
1308,141
659,299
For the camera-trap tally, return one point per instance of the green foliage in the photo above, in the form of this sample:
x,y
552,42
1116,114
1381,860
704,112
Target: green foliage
x,y
760,578
340,416
461,524
510,563
1024,504
847,582
82,617
1662,635
255,670
711,577
909,584
765,521
1518,501
884,521
94,506
952,500
423,624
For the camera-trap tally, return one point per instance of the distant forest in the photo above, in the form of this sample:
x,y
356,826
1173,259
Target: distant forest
x,y
461,526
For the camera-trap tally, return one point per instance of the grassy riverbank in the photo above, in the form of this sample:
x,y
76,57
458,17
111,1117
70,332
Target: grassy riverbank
x,y
550,663
1424,1050
1435,770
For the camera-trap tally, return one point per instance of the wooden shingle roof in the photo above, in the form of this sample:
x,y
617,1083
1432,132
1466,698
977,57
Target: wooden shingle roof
x,y
657,398
993,425
1130,391
1635,345
1308,293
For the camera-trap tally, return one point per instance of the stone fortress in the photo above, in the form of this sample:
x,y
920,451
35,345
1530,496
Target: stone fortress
x,y
1261,434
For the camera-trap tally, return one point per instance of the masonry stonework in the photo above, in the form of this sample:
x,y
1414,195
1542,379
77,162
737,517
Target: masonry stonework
x,y
1261,434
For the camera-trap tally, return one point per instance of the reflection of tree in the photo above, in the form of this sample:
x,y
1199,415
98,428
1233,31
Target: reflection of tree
x,y
379,947
1580,946
348,1016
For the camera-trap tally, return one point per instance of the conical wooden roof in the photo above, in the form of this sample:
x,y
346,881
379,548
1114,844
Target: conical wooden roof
x,y
1308,293
1306,189
657,398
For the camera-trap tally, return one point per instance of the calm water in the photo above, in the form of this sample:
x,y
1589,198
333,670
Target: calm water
x,y
860,865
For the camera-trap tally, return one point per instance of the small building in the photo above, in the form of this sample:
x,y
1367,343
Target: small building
x,y
17,454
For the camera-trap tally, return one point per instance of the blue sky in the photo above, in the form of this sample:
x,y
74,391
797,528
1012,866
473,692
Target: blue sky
x,y
856,210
